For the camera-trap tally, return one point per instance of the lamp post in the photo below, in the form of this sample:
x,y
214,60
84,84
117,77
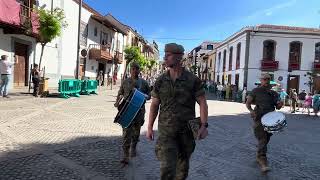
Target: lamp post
x,y
78,44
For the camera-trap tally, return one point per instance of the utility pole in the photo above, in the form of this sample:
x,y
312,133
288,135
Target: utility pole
x,y
78,45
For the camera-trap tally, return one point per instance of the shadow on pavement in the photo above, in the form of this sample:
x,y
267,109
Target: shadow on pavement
x,y
81,158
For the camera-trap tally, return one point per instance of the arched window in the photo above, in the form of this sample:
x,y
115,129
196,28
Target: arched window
x,y
230,58
238,56
224,60
269,50
317,53
295,55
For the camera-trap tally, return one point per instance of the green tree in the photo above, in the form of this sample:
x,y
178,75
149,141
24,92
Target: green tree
x,y
151,63
132,54
51,25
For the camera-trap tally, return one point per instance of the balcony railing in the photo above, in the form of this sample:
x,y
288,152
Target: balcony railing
x,y
99,52
294,66
118,57
316,66
269,65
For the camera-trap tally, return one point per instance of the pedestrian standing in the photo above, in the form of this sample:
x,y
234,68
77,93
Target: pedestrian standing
x,y
35,74
266,100
283,96
132,133
316,103
307,103
100,78
244,94
294,100
176,92
5,71
301,98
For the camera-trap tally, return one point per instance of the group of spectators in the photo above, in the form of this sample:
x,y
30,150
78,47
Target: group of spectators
x,y
303,100
228,92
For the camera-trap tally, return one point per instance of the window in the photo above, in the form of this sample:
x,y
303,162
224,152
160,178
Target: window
x,y
317,53
209,47
238,56
269,49
224,60
104,38
230,58
95,31
295,51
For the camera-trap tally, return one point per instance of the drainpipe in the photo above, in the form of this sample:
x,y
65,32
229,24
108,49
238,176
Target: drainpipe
x,y
78,44
246,63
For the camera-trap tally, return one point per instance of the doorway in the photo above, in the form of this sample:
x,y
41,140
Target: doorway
x,y
316,82
236,81
293,82
102,67
21,69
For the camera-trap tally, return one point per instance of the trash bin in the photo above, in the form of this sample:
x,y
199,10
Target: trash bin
x,y
43,87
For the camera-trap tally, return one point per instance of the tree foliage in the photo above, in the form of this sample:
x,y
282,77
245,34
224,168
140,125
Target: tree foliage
x,y
51,25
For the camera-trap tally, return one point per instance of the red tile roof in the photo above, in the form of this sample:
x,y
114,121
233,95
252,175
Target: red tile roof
x,y
287,28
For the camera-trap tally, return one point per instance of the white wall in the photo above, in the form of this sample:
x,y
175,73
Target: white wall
x,y
281,55
7,48
219,66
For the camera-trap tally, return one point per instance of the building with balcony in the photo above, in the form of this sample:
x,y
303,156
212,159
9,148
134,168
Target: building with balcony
x,y
197,59
18,37
285,52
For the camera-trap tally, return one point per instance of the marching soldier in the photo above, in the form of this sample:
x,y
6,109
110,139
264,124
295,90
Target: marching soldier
x,y
131,134
176,92
266,100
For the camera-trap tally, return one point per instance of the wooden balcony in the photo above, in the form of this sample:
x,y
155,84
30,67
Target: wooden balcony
x,y
118,58
99,52
294,66
19,19
269,65
316,66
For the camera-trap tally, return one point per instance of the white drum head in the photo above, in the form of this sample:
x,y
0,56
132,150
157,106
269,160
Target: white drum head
x,y
272,118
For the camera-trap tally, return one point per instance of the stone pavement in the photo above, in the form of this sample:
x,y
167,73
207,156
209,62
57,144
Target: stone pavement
x,y
52,138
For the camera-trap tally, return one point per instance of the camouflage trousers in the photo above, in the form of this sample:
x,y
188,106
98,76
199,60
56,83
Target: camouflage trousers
x,y
174,152
131,136
262,136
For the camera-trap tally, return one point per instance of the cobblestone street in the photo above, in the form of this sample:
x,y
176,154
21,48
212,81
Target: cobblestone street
x,y
54,138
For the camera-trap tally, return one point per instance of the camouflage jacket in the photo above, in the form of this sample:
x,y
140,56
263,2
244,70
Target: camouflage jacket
x,y
265,99
177,99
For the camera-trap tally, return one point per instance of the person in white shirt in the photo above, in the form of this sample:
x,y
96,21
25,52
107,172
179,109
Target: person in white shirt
x,y
5,71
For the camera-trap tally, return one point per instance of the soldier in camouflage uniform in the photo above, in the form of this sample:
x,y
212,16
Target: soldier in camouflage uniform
x,y
131,134
266,100
176,92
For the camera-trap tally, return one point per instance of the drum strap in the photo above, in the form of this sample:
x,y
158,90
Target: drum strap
x,y
138,85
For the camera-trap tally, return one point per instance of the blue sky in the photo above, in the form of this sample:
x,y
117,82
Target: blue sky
x,y
190,22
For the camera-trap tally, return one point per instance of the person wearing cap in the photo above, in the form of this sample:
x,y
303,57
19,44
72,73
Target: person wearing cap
x,y
266,100
5,73
132,133
283,96
175,92
301,98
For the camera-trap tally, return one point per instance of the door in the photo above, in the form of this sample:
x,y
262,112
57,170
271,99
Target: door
x,y
316,84
293,82
21,68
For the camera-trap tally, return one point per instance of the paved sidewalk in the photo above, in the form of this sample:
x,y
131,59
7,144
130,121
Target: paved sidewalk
x,y
54,138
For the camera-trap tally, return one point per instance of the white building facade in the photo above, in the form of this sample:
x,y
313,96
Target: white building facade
x,y
286,53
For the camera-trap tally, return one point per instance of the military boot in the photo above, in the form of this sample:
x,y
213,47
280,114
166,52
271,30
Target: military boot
x,y
262,161
125,159
133,150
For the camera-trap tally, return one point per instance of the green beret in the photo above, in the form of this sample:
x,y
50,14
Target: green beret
x,y
174,48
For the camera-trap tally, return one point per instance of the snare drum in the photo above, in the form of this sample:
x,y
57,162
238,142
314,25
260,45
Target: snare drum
x,y
130,107
273,121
